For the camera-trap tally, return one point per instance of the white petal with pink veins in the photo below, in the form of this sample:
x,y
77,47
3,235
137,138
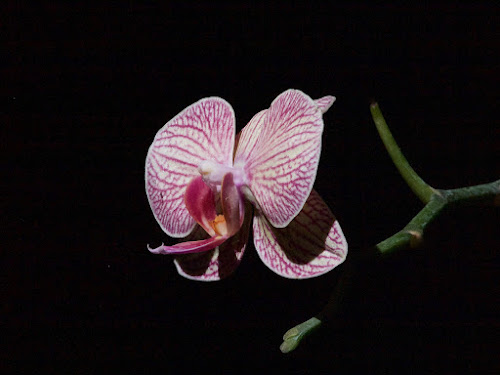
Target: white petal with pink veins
x,y
311,245
203,131
248,137
282,160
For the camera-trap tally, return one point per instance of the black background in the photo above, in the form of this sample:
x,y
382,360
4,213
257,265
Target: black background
x,y
84,89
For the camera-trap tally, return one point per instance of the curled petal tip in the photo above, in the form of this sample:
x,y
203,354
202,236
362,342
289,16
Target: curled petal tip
x,y
325,103
155,250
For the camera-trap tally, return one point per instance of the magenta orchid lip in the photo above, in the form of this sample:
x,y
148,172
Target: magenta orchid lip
x,y
197,189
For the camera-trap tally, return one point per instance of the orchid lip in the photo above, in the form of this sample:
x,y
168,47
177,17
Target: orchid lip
x,y
200,203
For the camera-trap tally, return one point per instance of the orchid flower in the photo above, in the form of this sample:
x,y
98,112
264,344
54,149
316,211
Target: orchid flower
x,y
202,181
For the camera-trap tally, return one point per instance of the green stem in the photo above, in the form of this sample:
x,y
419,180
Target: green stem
x,y
416,184
479,194
409,237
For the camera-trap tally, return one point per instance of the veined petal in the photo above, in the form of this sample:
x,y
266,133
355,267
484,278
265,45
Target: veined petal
x,y
282,160
325,103
247,140
200,202
220,262
249,134
311,245
203,131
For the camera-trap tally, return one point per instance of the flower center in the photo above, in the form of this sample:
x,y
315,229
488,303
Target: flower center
x,y
219,225
213,172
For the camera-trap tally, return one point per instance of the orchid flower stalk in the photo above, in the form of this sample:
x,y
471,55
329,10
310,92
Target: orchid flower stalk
x,y
409,237
205,183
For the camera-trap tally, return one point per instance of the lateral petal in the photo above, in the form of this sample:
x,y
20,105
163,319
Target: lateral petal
x,y
203,131
248,137
220,262
282,161
311,245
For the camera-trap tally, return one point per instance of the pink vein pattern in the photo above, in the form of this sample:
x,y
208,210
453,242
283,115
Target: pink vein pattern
x,y
282,160
311,245
203,131
248,138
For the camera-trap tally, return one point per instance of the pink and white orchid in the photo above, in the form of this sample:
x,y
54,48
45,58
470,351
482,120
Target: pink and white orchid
x,y
195,170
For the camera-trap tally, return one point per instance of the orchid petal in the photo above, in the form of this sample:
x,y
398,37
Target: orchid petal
x,y
248,137
203,131
220,262
200,202
325,103
311,245
281,162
